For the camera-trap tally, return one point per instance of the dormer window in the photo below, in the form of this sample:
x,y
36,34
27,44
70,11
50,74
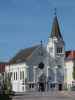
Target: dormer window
x,y
59,50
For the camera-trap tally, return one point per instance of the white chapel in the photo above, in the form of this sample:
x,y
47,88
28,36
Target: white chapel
x,y
41,67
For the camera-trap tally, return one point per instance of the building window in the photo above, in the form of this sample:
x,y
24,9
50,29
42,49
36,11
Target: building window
x,y
59,50
51,73
31,85
21,75
23,88
14,75
52,85
10,73
27,70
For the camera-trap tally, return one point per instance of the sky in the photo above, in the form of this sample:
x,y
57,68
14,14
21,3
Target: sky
x,y
24,23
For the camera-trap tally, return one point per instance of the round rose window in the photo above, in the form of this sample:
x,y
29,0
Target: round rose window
x,y
41,65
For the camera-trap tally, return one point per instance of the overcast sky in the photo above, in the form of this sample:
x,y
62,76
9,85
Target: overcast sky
x,y
23,23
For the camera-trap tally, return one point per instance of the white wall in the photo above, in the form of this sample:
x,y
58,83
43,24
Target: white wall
x,y
68,73
17,84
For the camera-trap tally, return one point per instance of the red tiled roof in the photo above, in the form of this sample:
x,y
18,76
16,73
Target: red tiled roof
x,y
2,66
70,54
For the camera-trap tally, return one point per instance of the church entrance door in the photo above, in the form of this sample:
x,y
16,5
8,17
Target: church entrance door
x,y
42,82
59,87
41,86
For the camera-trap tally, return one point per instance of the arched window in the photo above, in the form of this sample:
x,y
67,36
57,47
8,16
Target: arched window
x,y
51,75
21,75
60,76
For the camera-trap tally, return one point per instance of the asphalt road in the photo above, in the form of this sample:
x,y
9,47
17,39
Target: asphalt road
x,y
47,96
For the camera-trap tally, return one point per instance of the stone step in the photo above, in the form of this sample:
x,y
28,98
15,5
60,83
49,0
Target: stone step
x,y
51,93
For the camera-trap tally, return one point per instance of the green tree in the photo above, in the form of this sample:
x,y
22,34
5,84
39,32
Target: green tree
x,y
7,86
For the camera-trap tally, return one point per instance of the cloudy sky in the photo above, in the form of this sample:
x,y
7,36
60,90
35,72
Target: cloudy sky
x,y
24,23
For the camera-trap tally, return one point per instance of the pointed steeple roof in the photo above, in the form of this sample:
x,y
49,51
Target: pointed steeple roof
x,y
55,29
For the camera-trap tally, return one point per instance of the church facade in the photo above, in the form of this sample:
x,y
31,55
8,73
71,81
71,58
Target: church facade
x,y
40,68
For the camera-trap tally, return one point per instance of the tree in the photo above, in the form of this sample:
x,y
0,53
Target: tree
x,y
6,86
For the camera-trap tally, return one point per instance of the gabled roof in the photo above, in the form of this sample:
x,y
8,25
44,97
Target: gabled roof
x,y
55,29
22,55
69,55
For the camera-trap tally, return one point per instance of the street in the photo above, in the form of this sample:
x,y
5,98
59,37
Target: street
x,y
63,95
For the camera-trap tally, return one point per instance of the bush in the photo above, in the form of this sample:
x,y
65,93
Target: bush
x,y
6,87
5,97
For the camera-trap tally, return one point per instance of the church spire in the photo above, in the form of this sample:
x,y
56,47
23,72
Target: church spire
x,y
55,32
